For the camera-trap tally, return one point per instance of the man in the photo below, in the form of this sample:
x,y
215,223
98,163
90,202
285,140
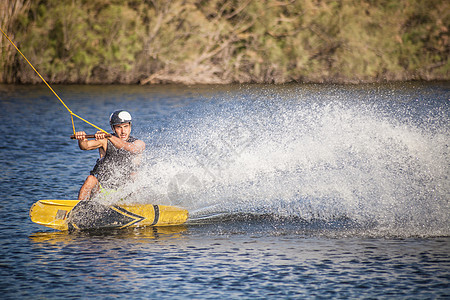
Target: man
x,y
119,153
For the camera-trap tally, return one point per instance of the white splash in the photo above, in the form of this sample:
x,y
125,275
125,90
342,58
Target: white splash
x,y
306,158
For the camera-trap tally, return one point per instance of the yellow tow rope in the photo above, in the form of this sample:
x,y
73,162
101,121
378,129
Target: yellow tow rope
x,y
68,109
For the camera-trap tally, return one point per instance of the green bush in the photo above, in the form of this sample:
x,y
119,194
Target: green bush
x,y
224,41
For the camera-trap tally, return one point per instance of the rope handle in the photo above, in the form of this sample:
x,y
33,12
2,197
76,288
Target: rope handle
x,y
89,136
48,85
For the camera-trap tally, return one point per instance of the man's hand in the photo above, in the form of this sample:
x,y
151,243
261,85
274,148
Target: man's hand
x,y
80,136
100,135
85,144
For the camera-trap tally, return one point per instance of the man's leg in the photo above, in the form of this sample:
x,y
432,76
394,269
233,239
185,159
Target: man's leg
x,y
89,185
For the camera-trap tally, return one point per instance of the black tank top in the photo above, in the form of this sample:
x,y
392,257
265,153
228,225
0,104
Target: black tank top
x,y
115,167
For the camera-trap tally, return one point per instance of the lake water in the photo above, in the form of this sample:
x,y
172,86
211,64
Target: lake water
x,y
294,191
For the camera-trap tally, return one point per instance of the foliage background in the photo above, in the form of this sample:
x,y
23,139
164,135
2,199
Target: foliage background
x,y
225,41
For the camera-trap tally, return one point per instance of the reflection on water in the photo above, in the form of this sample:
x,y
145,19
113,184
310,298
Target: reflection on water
x,y
209,263
138,234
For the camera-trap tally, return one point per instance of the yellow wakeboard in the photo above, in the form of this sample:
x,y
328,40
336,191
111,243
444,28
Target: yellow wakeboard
x,y
75,214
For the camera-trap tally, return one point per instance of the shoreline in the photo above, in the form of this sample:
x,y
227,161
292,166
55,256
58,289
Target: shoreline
x,y
343,83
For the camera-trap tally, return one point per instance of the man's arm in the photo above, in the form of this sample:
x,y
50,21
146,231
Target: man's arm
x,y
135,147
85,144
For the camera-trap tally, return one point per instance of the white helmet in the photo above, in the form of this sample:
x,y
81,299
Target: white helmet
x,y
119,117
